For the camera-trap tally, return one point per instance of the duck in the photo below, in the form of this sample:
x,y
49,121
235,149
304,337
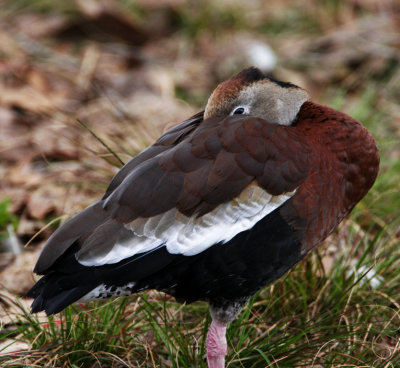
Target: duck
x,y
220,206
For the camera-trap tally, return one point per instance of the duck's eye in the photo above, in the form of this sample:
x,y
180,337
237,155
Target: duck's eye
x,y
240,110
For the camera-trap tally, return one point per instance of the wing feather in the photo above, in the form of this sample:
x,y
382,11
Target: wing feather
x,y
195,177
192,235
85,222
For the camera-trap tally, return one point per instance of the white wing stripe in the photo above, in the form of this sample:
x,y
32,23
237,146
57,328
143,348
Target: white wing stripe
x,y
191,235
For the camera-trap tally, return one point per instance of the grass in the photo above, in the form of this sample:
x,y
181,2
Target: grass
x,y
6,218
342,316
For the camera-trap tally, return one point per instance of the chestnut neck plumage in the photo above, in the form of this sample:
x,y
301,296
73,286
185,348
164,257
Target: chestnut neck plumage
x,y
343,166
345,174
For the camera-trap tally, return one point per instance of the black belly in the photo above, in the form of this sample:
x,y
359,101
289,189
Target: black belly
x,y
236,269
232,271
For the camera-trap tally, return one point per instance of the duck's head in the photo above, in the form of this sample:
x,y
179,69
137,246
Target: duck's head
x,y
252,93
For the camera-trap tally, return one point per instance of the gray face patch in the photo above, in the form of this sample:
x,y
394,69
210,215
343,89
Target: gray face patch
x,y
272,102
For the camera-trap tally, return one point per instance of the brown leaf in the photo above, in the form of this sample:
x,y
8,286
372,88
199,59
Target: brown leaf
x,y
101,21
11,308
45,200
18,278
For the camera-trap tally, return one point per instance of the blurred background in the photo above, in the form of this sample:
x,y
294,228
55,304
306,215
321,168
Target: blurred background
x,y
85,85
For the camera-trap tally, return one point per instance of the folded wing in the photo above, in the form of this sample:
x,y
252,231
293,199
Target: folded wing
x,y
199,185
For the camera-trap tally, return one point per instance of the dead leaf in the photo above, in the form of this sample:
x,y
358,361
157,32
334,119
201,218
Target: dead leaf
x,y
18,278
12,346
11,307
45,200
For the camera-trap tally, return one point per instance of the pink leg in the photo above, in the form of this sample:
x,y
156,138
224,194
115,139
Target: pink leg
x,y
216,345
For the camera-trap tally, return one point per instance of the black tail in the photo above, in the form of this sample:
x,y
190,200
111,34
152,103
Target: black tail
x,y
69,281
51,297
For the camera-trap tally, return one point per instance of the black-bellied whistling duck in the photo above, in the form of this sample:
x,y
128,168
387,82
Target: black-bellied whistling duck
x,y
220,206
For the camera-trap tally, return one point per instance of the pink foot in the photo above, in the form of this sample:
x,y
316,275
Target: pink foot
x,y
216,345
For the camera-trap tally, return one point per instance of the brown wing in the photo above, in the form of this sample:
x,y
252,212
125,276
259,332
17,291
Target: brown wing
x,y
165,142
211,166
92,218
194,167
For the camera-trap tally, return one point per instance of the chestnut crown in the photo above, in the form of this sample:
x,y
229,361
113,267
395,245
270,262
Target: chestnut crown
x,y
252,93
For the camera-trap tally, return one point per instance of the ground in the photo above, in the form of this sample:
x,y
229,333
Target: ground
x,y
85,85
